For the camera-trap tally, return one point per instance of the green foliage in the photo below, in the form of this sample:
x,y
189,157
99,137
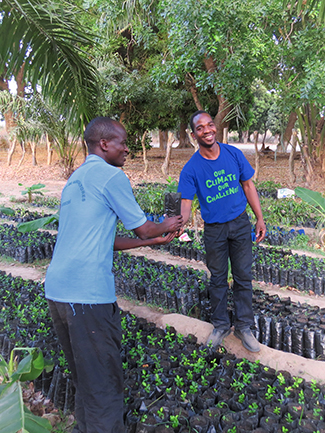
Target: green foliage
x,y
14,415
284,212
130,95
151,197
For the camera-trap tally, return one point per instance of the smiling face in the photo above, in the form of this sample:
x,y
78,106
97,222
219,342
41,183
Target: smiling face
x,y
114,148
204,130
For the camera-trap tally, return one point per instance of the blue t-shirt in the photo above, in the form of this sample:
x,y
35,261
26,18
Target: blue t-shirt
x,y
95,196
217,183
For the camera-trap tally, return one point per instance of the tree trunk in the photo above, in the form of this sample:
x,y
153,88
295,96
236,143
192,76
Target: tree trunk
x,y
33,147
23,152
165,166
163,138
292,157
225,135
257,157
84,149
49,149
263,141
192,140
11,150
184,142
307,164
288,132
191,84
245,136
223,111
144,152
20,82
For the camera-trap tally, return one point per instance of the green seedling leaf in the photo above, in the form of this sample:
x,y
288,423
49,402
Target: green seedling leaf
x,y
16,417
7,211
31,226
11,409
31,366
35,424
313,198
37,186
48,365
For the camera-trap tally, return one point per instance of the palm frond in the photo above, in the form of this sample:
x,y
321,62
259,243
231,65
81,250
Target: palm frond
x,y
51,43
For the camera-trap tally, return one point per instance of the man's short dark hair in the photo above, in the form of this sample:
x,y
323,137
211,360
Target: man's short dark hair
x,y
194,116
98,128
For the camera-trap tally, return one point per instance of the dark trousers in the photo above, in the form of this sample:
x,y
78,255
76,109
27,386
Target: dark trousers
x,y
90,336
230,240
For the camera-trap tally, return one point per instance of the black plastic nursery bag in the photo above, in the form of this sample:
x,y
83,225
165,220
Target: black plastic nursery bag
x,y
173,203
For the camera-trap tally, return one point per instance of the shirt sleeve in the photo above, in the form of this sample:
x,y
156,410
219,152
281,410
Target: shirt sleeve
x,y
187,184
120,196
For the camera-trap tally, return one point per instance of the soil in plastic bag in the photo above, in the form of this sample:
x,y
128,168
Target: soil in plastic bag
x,y
173,203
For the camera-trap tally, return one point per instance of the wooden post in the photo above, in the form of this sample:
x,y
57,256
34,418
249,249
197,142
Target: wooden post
x,y
292,157
144,151
257,157
170,141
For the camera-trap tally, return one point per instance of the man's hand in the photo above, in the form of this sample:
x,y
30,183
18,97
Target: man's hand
x,y
163,240
260,231
172,224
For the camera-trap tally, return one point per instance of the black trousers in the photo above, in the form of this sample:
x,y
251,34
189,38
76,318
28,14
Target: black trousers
x,y
90,336
230,240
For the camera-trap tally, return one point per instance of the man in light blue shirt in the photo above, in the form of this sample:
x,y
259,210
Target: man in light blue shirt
x,y
79,283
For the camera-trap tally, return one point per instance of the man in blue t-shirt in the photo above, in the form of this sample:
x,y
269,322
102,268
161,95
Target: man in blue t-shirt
x,y
79,283
220,176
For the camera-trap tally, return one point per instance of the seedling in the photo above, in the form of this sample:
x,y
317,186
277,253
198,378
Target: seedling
x,y
277,410
174,420
252,408
179,381
194,387
30,190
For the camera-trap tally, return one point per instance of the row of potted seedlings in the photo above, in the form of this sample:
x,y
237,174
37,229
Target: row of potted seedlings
x,y
25,247
279,323
172,384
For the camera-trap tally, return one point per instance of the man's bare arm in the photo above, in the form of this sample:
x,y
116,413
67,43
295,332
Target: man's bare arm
x,y
254,202
129,243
